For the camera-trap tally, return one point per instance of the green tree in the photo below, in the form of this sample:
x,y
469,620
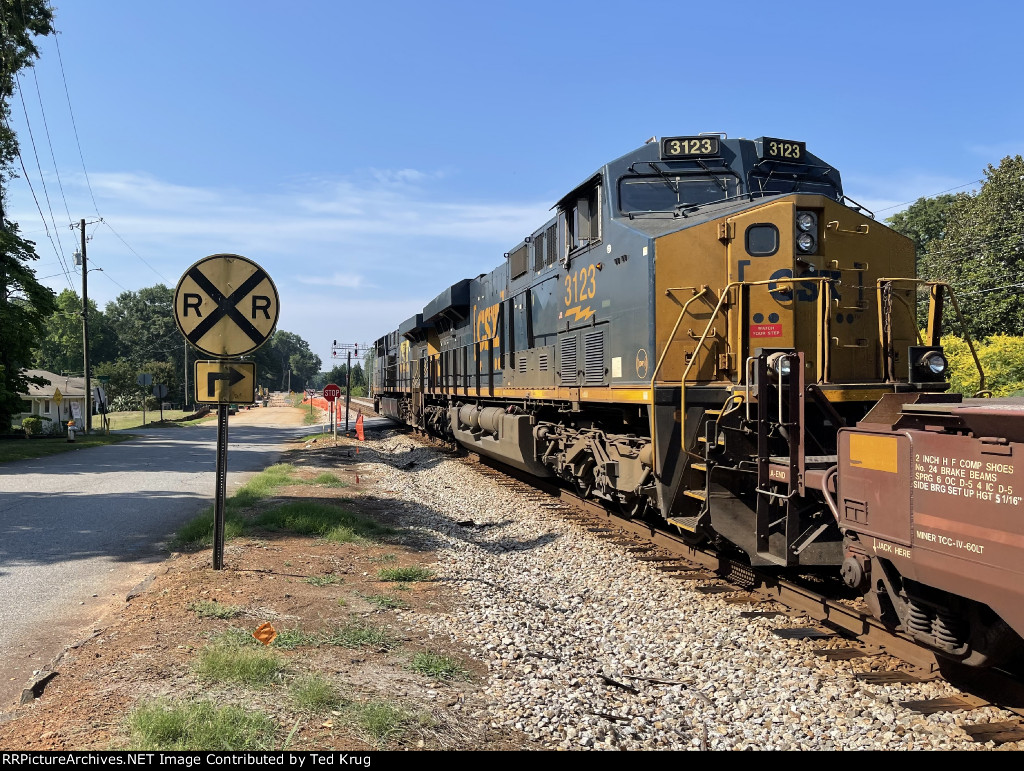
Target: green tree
x,y
143,322
1001,358
285,357
924,220
981,251
24,302
60,349
122,384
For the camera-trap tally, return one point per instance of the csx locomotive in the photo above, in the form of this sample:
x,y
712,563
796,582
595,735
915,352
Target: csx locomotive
x,y
710,333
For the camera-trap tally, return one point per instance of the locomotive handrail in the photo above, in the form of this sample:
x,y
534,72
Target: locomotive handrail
x,y
934,330
661,359
700,344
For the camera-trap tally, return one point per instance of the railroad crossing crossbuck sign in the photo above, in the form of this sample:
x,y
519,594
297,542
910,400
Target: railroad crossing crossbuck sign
x,y
226,305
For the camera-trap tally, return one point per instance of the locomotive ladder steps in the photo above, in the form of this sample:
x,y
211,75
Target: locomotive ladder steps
x,y
684,523
700,495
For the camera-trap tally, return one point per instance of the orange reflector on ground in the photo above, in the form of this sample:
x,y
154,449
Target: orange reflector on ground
x,y
265,633
359,428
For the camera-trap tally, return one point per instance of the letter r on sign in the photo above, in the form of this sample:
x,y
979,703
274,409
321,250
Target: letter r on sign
x,y
261,302
192,301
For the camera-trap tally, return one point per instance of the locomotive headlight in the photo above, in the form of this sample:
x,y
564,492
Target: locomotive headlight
x,y
935,362
807,221
805,242
779,364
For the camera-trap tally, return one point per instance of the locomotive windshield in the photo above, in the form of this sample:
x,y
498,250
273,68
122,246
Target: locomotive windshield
x,y
773,182
667,192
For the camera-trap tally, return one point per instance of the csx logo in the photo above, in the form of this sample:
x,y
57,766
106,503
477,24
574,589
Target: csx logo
x,y
487,323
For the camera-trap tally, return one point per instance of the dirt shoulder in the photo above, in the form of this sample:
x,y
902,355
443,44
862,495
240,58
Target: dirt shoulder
x,y
309,589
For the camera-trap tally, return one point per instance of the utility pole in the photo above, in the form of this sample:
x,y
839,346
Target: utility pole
x,y
85,333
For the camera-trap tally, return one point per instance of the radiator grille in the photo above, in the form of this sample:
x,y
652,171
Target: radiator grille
x,y
551,241
593,347
568,370
538,251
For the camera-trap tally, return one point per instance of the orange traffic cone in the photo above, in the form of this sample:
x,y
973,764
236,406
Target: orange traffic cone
x,y
359,428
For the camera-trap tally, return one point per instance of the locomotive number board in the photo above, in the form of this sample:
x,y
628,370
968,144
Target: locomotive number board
x,y
782,149
689,147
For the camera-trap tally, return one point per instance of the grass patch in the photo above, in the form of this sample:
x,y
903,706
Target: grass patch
x,y
383,558
325,580
438,666
198,726
214,609
386,601
235,638
356,635
237,664
293,637
406,574
381,721
263,485
119,421
327,479
19,449
315,693
319,519
198,533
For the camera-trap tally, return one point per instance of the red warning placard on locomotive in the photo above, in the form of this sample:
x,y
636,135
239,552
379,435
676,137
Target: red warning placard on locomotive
x,y
766,330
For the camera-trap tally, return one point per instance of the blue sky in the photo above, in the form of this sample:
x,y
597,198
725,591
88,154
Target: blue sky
x,y
368,155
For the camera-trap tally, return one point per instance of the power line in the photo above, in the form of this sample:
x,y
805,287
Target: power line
x,y
74,127
950,190
42,180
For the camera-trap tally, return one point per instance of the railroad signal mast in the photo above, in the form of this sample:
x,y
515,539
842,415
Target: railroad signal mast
x,y
348,348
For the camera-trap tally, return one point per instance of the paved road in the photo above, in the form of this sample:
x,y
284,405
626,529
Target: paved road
x,y
79,529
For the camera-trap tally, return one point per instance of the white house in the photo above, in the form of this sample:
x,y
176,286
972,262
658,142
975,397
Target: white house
x,y
43,401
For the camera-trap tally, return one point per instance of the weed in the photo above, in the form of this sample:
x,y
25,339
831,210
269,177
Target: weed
x,y
410,573
438,666
319,519
251,666
198,532
214,609
235,638
383,558
293,638
386,601
325,580
197,726
356,635
328,480
315,693
380,720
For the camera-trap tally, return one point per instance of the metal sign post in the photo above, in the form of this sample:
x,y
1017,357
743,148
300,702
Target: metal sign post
x,y
222,486
225,306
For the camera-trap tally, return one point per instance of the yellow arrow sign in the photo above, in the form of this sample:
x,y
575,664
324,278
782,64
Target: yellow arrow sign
x,y
225,382
226,305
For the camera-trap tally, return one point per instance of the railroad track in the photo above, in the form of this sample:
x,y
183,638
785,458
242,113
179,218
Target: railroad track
x,y
842,630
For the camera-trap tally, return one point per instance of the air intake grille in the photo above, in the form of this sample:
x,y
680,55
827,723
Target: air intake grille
x,y
519,261
522,364
593,346
550,240
568,368
542,362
